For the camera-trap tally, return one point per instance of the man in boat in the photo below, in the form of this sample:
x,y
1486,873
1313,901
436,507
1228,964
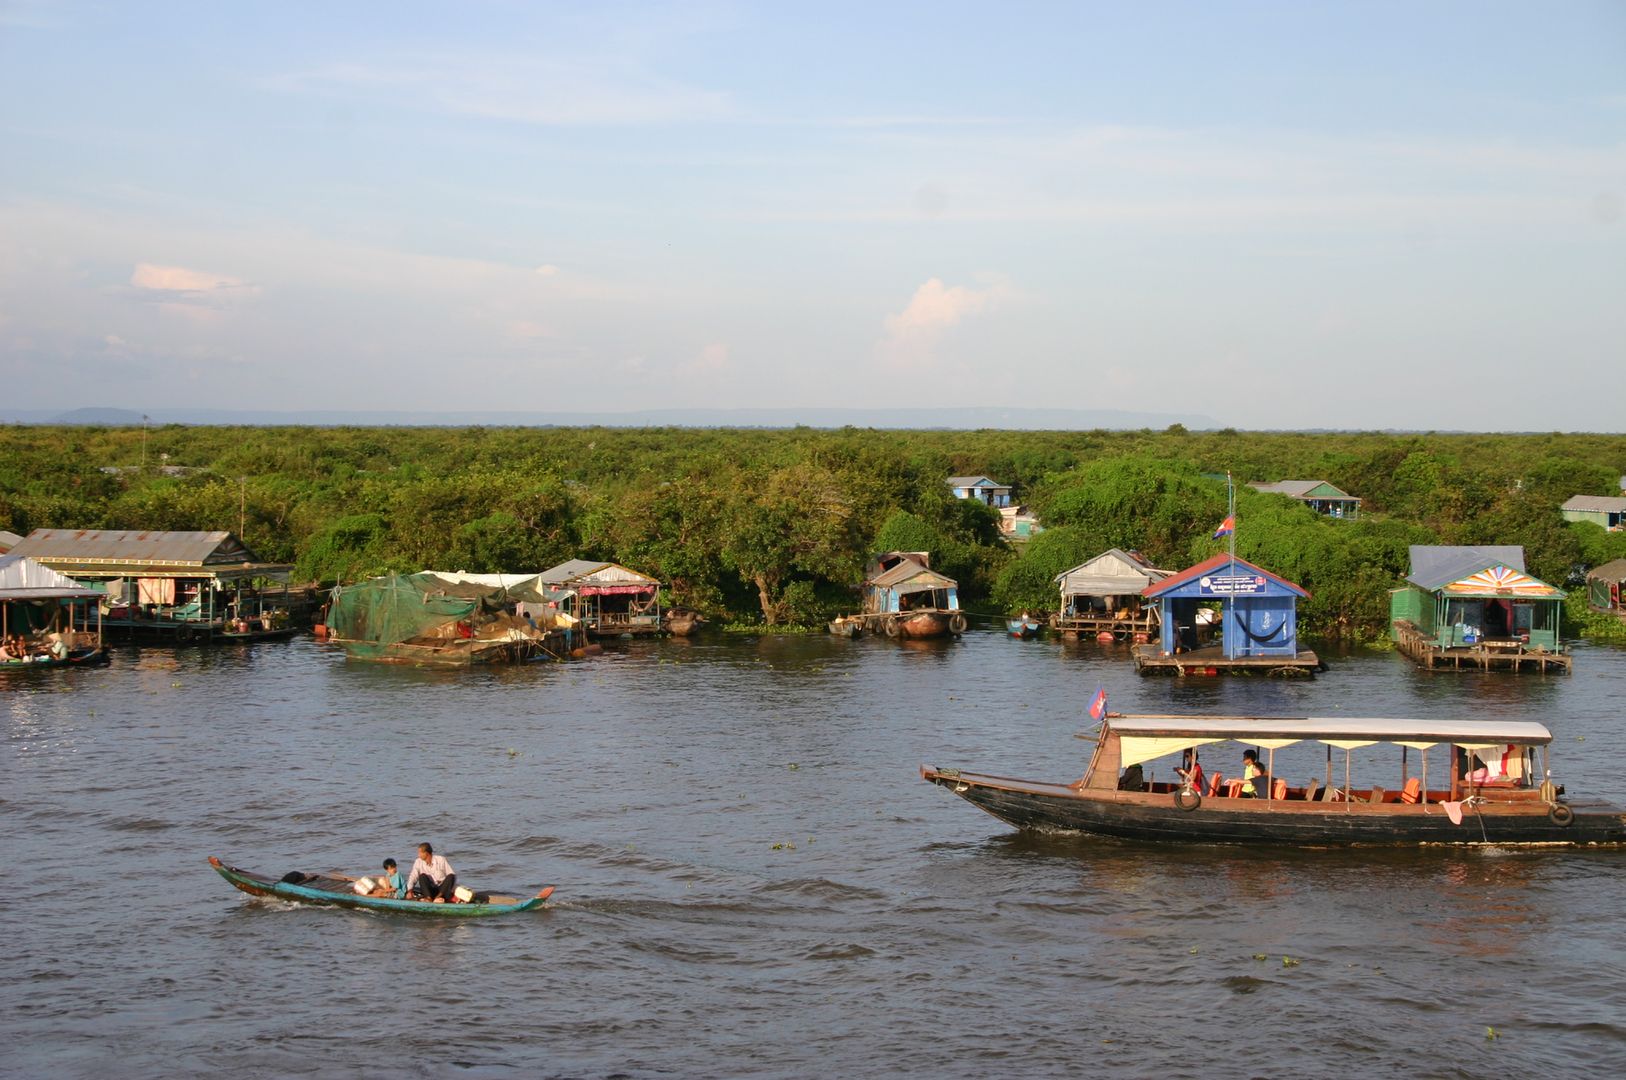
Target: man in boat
x,y
432,877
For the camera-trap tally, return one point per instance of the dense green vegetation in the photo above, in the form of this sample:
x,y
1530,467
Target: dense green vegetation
x,y
776,526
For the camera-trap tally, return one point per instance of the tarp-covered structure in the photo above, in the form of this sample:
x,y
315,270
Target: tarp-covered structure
x,y
427,608
905,581
1459,596
608,598
34,598
1606,586
1107,583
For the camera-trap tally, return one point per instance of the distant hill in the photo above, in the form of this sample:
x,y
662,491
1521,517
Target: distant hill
x,y
947,419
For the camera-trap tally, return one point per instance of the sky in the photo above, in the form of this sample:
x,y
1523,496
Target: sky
x,y
1278,215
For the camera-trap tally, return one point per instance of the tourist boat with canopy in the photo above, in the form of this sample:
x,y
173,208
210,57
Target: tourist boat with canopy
x,y
1490,783
338,890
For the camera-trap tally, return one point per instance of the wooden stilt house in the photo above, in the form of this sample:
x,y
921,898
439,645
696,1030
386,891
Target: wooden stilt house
x,y
1476,607
1606,588
1102,597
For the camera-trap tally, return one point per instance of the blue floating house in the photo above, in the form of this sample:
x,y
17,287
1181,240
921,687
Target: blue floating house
x,y
1259,612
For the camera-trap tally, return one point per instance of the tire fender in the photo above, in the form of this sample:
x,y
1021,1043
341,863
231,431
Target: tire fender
x,y
1560,815
892,628
1187,798
957,623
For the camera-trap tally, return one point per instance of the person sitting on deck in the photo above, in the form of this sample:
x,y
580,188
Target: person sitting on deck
x,y
58,649
389,885
432,877
1250,772
1191,771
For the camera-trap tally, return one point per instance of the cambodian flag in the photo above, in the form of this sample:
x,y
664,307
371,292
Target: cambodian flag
x,y
1098,707
1227,527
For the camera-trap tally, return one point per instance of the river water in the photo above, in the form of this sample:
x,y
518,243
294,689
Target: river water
x,y
752,878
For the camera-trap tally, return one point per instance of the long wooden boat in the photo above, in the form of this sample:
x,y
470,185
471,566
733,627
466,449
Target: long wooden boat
x,y
77,657
337,890
681,622
1474,806
846,626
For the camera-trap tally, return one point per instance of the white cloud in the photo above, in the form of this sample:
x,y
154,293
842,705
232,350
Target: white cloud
x,y
180,279
547,270
711,361
911,336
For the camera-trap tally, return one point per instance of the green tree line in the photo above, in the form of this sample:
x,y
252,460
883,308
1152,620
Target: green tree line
x,y
776,525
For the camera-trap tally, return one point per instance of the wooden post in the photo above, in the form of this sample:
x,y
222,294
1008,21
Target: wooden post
x,y
1403,768
1348,794
1424,800
1270,767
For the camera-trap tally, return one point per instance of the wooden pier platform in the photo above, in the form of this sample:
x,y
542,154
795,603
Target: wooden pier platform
x,y
1090,626
1211,660
1512,656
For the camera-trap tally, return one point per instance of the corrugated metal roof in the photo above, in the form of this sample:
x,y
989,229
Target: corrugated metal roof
x,y
910,571
8,540
122,546
1434,566
1614,570
1597,504
1114,572
1300,489
1222,559
974,481
585,571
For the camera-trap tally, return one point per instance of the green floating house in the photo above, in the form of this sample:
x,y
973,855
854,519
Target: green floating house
x,y
1477,607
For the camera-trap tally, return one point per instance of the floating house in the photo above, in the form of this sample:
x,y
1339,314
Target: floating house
x,y
1258,622
438,620
1606,588
1476,607
173,586
988,492
608,599
46,619
905,598
1318,495
1605,511
1103,598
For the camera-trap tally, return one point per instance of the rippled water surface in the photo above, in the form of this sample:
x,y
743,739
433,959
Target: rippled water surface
x,y
752,878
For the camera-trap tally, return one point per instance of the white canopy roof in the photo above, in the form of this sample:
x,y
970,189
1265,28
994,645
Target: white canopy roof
x,y
1325,728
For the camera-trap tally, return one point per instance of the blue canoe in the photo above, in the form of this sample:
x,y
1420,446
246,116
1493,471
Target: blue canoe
x,y
337,890
1024,627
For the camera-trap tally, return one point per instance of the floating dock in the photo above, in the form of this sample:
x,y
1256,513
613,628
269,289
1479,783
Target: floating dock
x,y
1211,660
1511,655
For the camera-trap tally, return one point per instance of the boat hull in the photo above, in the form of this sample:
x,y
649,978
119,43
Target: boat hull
x,y
337,895
1151,816
1022,628
459,653
847,628
925,624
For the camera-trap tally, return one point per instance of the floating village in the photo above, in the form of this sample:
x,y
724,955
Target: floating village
x,y
66,594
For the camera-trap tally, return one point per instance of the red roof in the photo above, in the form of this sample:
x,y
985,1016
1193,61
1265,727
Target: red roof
x,y
1211,564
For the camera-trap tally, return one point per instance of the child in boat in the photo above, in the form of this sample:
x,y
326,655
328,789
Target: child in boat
x,y
1250,772
389,884
1191,772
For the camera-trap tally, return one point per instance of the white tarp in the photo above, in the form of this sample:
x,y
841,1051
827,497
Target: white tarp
x,y
22,578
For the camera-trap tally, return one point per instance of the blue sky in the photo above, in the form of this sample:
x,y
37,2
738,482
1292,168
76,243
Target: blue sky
x,y
1275,214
